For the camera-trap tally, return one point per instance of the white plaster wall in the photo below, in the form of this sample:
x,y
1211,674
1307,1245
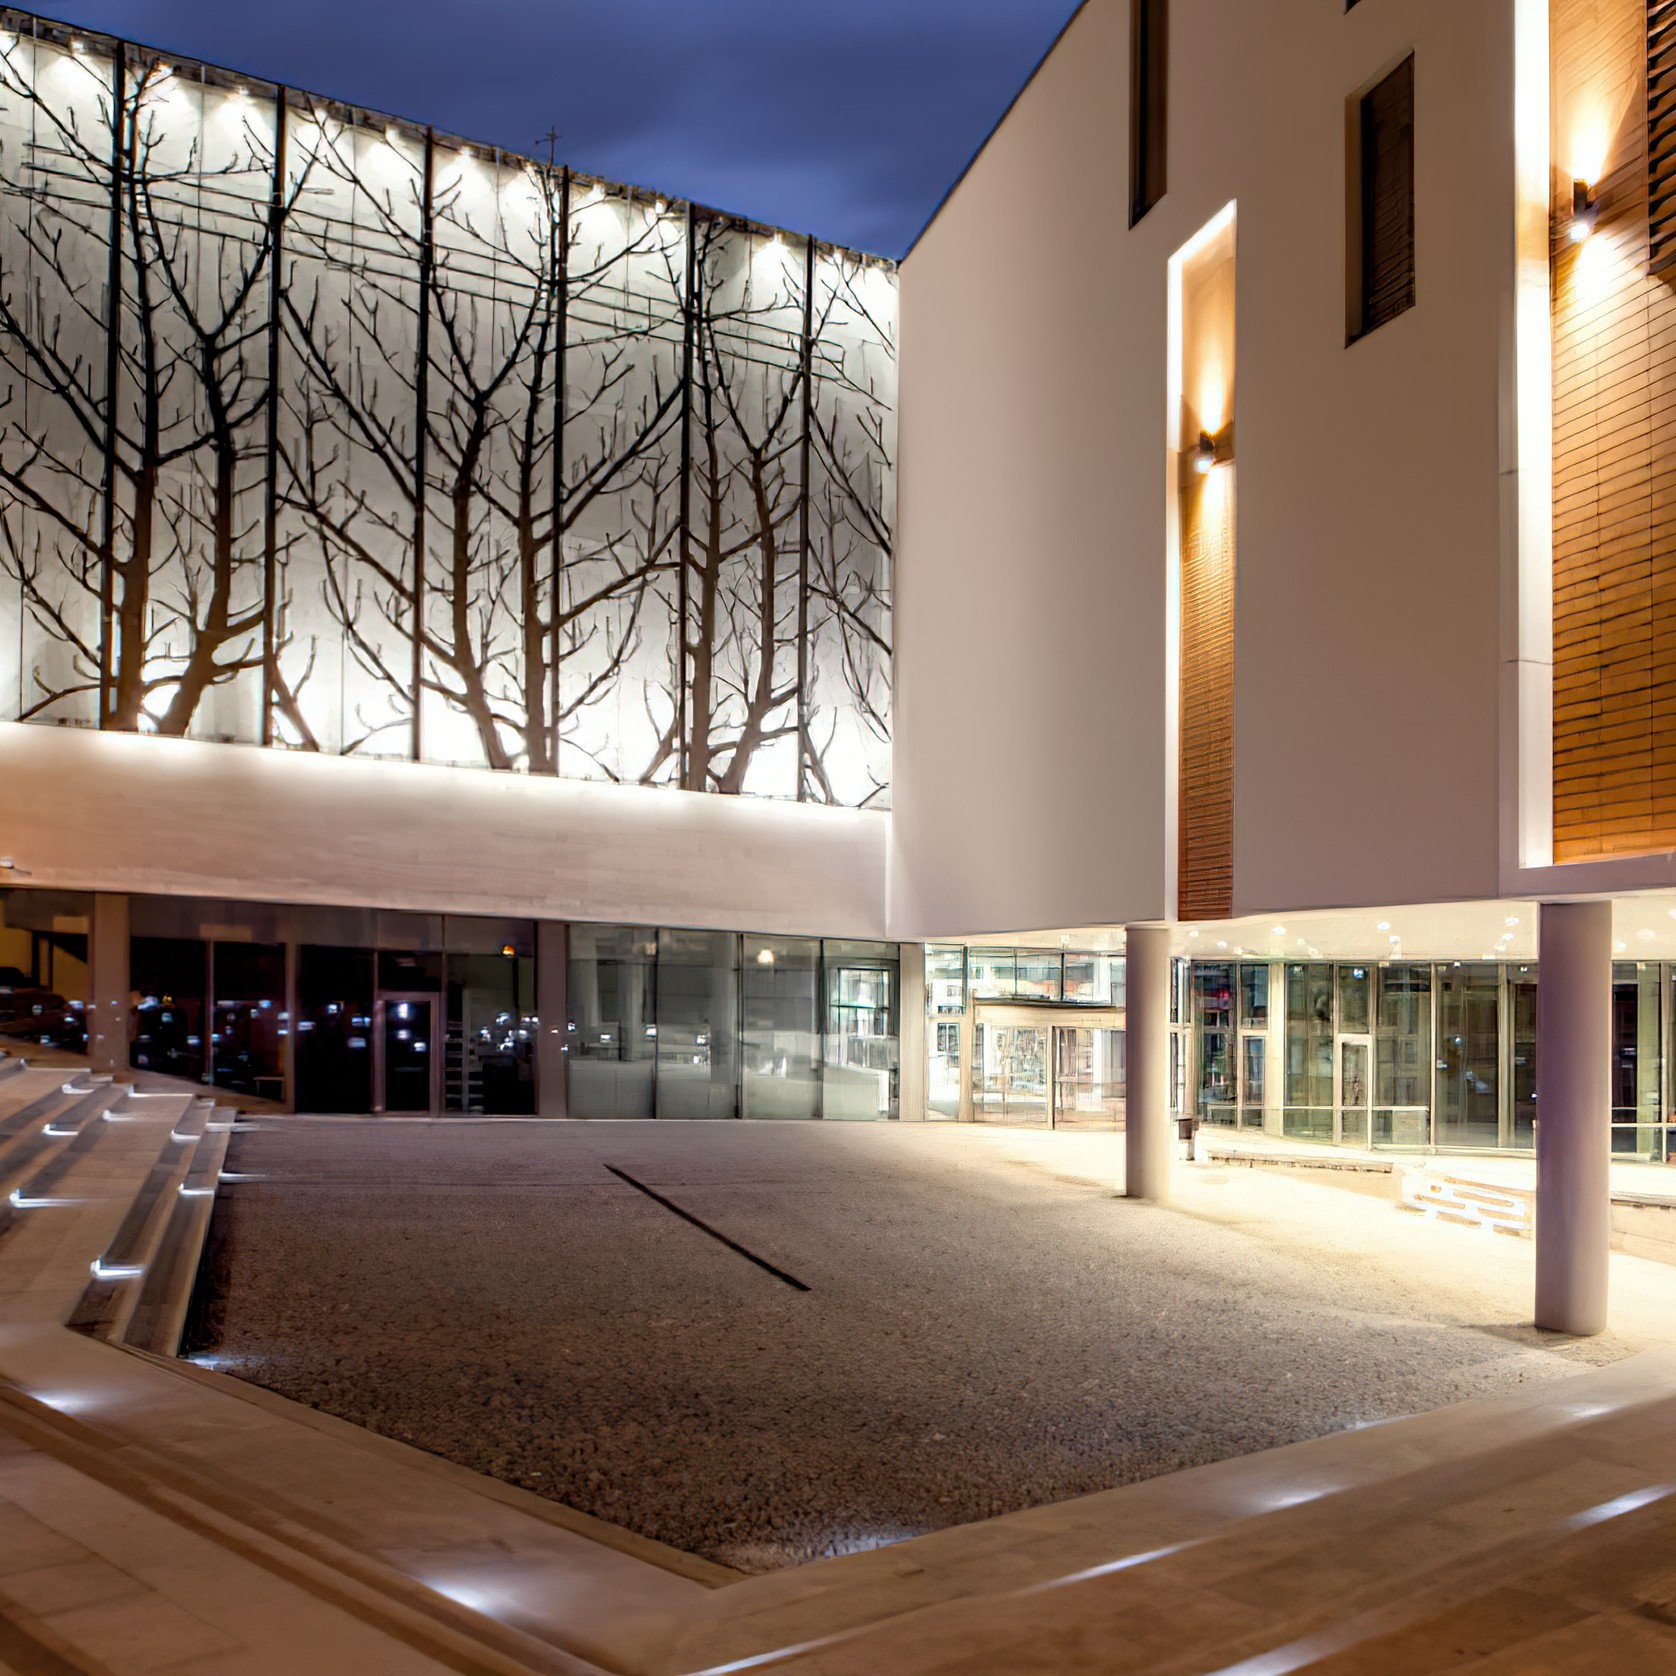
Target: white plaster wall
x,y
1033,782
118,812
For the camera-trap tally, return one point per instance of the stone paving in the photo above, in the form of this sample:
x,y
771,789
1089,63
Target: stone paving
x,y
986,1326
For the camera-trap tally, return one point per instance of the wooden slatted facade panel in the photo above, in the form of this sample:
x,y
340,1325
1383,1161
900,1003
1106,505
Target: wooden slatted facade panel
x,y
1205,810
1614,577
1661,135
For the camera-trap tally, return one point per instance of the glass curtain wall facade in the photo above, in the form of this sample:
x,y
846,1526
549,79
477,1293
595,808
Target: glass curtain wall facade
x,y
450,456
670,1023
377,1011
43,969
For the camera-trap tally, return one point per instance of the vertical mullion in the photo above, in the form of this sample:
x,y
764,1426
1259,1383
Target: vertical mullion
x,y
421,435
113,372
270,508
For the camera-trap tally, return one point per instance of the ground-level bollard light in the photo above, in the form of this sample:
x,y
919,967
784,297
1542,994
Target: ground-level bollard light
x,y
1184,1133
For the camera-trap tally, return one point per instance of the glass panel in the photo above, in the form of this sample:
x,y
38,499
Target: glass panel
x,y
43,969
1039,975
1354,1090
1635,1057
1088,1078
1213,1000
1254,1070
1094,979
861,1041
945,979
1403,1057
1521,998
612,1033
408,1045
167,975
1254,996
488,1046
1354,986
782,1027
1467,1054
1309,1052
698,1024
401,969
991,974
250,1020
1010,1074
943,1070
334,1029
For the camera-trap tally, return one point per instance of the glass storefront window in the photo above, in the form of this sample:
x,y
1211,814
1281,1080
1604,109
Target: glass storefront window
x,y
1039,975
1094,980
1402,1082
611,1034
334,1029
169,982
250,1025
698,1024
782,1027
1010,1073
1213,999
1636,1033
1521,1007
1468,1054
489,1036
860,1075
945,979
1309,1103
44,989
1254,996
991,974
942,1085
1354,999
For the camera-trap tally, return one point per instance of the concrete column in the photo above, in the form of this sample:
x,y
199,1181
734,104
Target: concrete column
x,y
552,978
1148,1138
1574,1115
910,1036
108,1009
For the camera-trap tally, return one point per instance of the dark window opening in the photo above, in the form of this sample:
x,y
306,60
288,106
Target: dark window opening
x,y
1382,252
1149,78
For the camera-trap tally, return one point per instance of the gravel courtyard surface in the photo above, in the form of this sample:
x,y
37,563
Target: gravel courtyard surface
x,y
987,1326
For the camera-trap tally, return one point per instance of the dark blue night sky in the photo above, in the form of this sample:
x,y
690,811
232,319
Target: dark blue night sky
x,y
847,119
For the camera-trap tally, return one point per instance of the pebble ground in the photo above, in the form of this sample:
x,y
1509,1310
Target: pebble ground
x,y
987,1326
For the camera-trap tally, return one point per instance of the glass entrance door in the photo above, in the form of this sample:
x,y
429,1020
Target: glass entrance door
x,y
1088,1084
406,1069
1010,1073
1355,1089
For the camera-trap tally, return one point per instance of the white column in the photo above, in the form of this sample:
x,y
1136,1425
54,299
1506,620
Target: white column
x,y
1148,1139
1574,1114
552,977
910,1030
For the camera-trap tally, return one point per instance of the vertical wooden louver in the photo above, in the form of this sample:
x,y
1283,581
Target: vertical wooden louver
x,y
1661,135
1387,198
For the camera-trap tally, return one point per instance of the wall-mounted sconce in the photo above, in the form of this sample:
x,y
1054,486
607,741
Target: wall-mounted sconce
x,y
1211,450
1585,207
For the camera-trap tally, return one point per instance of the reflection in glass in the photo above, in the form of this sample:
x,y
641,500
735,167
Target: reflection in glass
x,y
43,969
992,974
698,1024
1354,986
1088,1083
1213,1007
942,1086
1403,1057
1636,1032
489,1046
250,1023
1094,979
1010,1073
334,1029
611,1033
168,980
1309,1051
945,979
860,1076
1468,1040
407,1043
1521,1007
1254,996
782,1027
1039,975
